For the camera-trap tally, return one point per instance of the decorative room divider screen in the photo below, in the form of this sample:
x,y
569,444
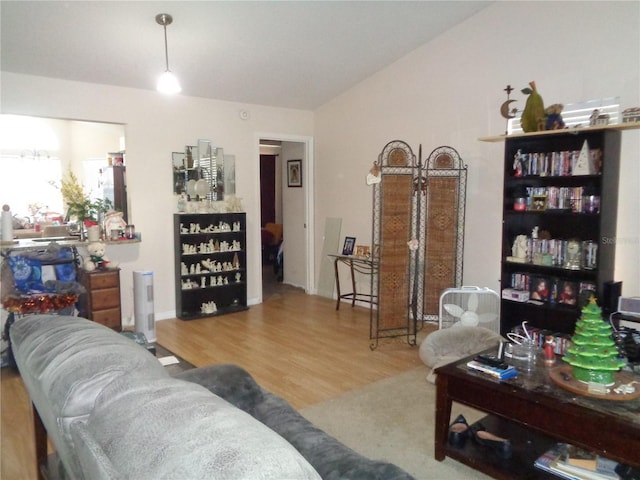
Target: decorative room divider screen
x,y
417,228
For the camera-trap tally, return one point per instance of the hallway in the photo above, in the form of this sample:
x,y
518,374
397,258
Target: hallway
x,y
271,287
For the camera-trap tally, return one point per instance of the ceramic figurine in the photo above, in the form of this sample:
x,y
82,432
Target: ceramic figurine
x,y
549,351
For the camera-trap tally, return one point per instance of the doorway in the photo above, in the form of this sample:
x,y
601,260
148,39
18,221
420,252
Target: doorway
x,y
271,233
289,205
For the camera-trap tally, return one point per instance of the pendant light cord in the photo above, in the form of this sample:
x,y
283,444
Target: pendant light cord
x,y
167,83
166,48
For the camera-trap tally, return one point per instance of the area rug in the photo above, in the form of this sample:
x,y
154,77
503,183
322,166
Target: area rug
x,y
393,420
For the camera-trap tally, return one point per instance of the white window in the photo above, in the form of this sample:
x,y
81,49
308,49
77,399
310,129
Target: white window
x,y
578,114
30,185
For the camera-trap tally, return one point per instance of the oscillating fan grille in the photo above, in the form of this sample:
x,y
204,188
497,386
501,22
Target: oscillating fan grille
x,y
473,306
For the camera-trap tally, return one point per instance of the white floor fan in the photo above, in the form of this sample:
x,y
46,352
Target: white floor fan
x,y
470,306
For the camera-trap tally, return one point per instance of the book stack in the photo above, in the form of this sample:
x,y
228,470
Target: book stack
x,y
573,463
496,372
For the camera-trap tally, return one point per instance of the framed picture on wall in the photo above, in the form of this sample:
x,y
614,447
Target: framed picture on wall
x,y
294,173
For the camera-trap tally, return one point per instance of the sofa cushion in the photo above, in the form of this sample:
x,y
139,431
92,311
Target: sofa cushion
x,y
168,428
65,362
230,382
331,459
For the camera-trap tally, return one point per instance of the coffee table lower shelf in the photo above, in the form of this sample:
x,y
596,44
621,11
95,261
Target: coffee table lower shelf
x,y
534,413
527,445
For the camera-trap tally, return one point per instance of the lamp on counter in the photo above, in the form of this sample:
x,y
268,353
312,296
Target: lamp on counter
x,y
167,83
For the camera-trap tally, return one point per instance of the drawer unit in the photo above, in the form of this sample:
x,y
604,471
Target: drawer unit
x,y
109,318
102,279
101,302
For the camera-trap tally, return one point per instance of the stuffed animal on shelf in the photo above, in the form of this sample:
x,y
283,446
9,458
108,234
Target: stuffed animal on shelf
x,y
97,258
554,119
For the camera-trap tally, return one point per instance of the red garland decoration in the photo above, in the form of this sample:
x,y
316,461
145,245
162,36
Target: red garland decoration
x,y
43,303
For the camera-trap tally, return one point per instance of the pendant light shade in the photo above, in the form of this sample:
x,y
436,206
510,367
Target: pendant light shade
x,y
167,83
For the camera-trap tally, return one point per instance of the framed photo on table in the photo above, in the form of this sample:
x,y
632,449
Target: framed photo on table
x,y
349,245
294,173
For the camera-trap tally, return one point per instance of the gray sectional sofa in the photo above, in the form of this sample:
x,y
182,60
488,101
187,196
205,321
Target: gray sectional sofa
x,y
113,412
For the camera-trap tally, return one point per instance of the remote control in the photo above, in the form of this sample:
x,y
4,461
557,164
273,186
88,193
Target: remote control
x,y
491,361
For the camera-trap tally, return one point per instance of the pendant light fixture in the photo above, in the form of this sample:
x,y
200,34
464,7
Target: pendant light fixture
x,y
167,83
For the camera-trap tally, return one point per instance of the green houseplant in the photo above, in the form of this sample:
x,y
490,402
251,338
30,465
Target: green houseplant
x,y
89,211
80,206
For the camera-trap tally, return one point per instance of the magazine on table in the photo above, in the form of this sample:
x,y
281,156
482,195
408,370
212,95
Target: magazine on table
x,y
499,373
544,461
572,463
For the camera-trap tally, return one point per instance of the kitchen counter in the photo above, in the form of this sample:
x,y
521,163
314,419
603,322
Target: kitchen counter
x,y
30,243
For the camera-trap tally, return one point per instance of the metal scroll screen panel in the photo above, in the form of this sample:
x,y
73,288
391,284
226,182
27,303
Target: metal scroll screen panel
x,y
444,226
395,231
394,225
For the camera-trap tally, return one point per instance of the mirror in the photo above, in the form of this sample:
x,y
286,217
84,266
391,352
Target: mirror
x,y
39,152
203,171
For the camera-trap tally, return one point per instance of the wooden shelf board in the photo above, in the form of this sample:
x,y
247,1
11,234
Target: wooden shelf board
x,y
617,126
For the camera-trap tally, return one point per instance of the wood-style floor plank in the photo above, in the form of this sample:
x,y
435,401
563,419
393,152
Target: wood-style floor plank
x,y
295,345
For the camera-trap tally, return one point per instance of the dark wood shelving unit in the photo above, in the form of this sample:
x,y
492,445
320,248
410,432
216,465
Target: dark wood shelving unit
x,y
569,223
230,295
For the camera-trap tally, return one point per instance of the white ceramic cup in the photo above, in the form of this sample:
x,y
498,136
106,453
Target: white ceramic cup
x,y
93,233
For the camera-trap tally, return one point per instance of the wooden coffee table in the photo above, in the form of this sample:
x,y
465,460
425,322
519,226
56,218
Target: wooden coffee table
x,y
534,413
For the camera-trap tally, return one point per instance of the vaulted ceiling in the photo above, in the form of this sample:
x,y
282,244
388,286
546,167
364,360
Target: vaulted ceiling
x,y
292,54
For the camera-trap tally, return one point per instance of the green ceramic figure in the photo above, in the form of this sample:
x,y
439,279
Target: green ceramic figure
x,y
593,353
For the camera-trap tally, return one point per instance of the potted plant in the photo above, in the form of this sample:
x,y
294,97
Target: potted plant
x,y
87,212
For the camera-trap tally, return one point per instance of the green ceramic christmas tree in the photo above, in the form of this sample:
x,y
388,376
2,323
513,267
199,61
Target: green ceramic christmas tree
x,y
593,353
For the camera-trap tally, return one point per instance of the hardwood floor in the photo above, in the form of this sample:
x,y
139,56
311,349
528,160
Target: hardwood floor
x,y
295,345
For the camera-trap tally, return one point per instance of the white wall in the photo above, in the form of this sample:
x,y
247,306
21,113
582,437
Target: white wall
x,y
157,125
449,92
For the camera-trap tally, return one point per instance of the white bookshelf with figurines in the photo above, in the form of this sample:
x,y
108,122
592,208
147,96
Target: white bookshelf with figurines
x,y
210,264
